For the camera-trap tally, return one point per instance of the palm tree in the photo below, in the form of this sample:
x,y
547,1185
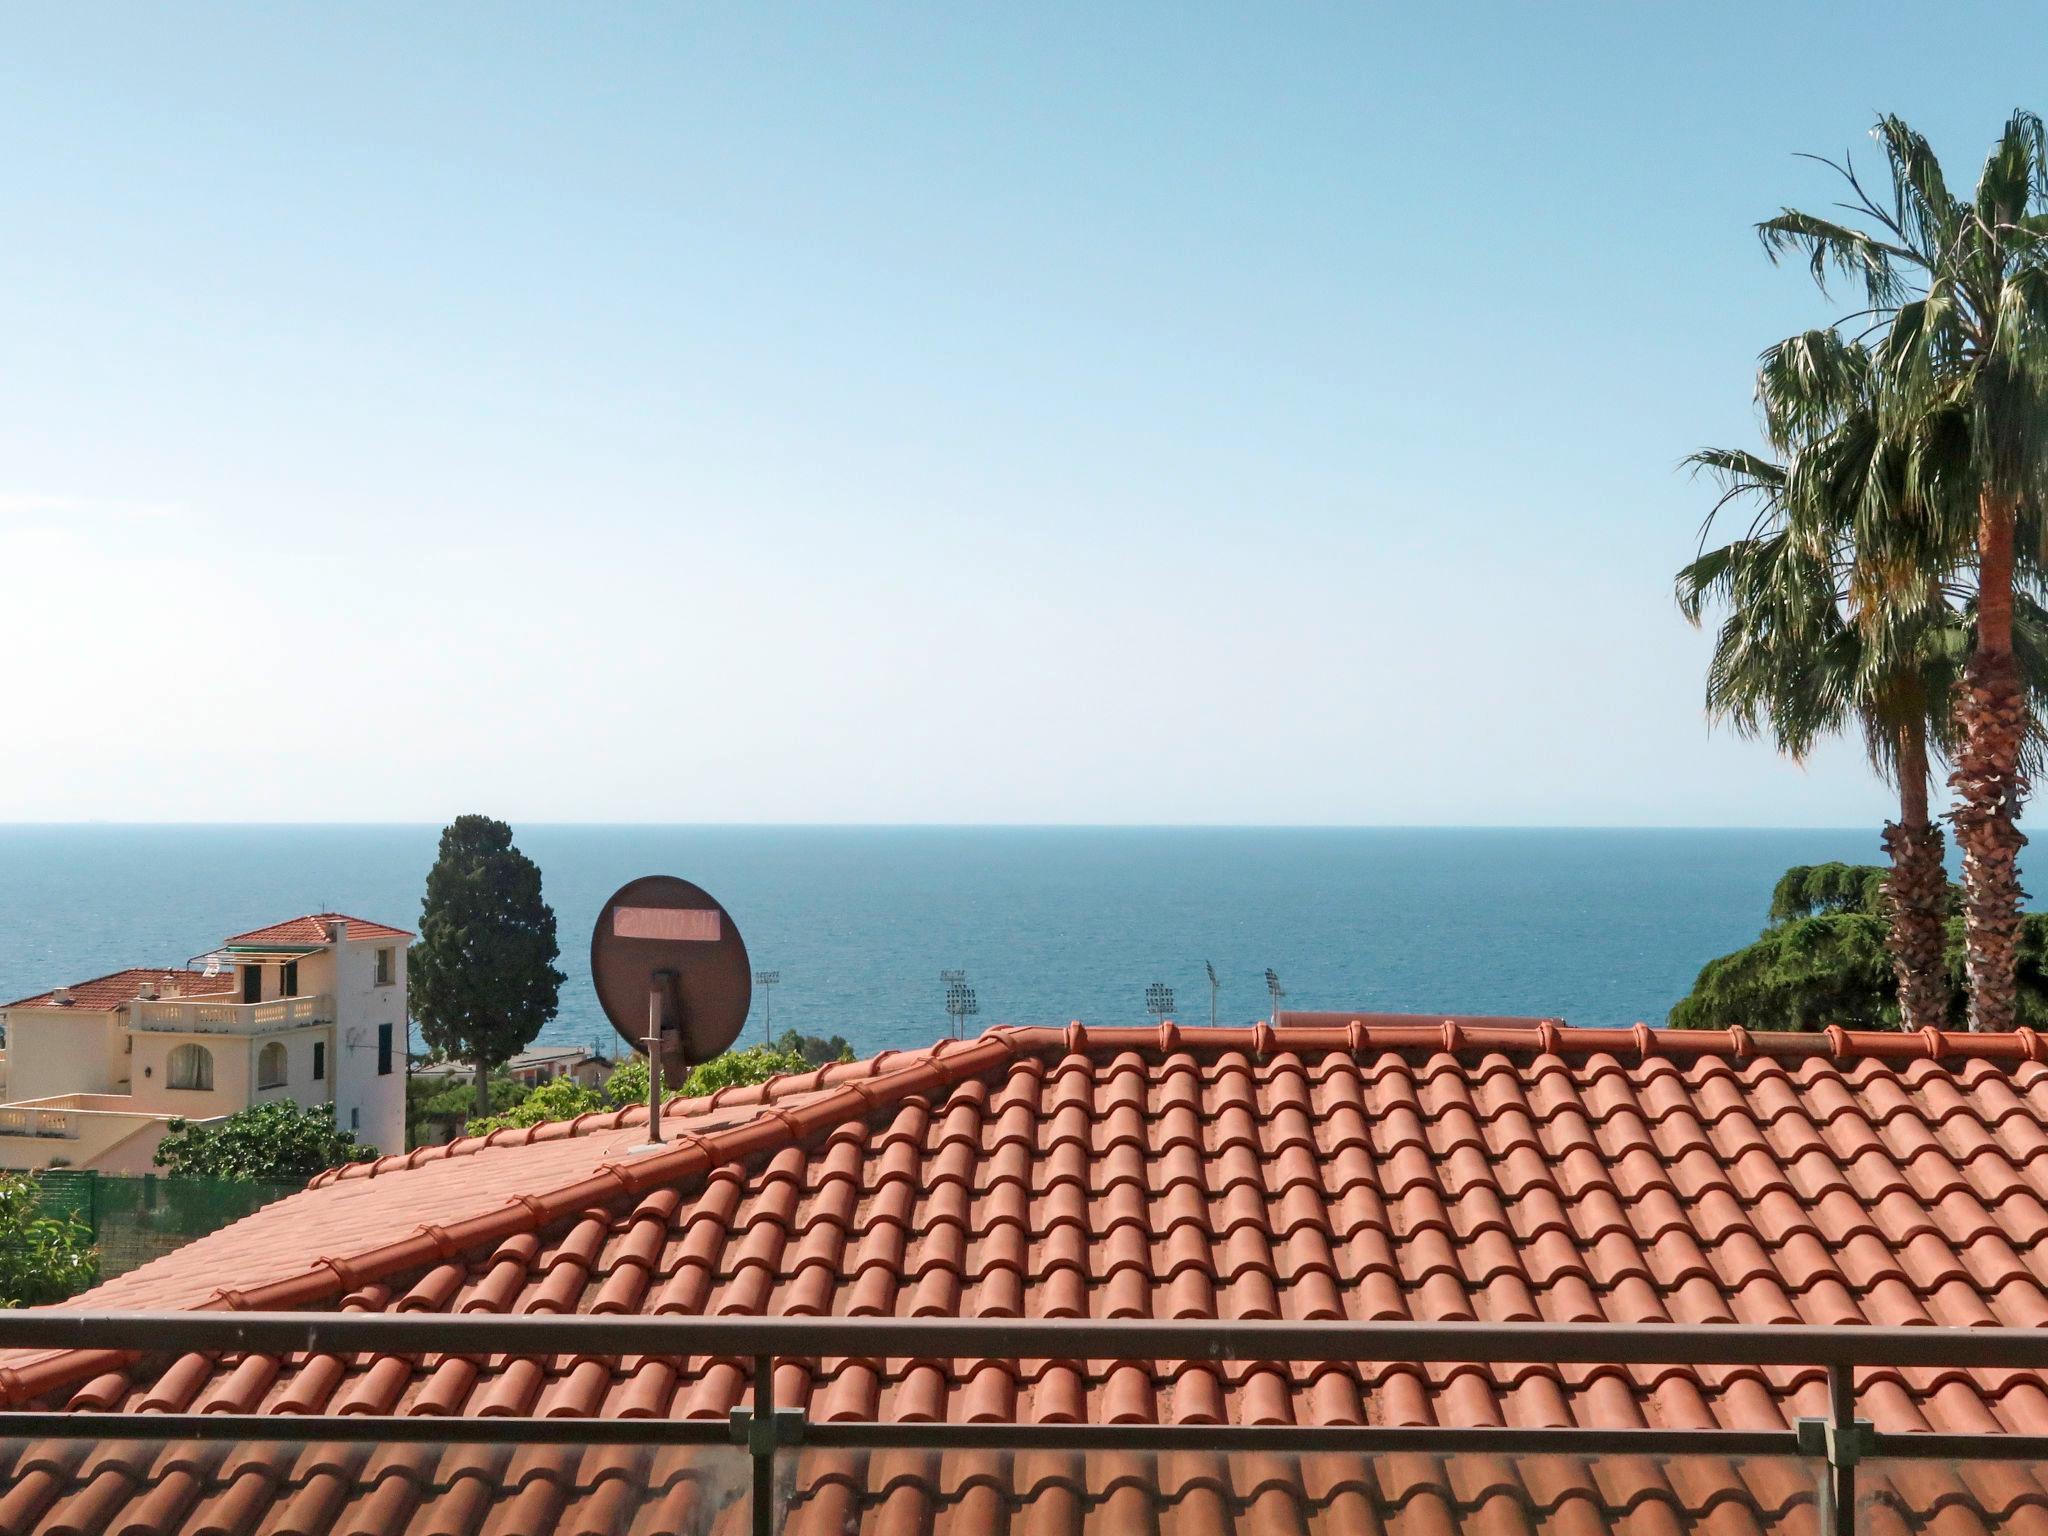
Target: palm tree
x,y
1791,660
1959,290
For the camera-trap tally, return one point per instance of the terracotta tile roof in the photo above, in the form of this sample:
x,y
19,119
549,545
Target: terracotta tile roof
x,y
312,929
1370,1169
106,992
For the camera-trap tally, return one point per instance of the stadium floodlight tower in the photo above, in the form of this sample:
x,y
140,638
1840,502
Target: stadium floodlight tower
x,y
949,980
961,1005
1213,985
1275,991
1159,1000
767,982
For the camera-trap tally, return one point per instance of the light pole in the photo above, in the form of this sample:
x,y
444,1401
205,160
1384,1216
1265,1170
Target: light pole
x,y
766,981
961,1005
1159,1000
1212,992
951,981
1276,992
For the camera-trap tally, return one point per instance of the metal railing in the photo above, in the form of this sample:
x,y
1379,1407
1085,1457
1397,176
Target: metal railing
x,y
1837,1442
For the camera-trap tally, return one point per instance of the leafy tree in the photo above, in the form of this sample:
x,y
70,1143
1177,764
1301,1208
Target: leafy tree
x,y
1823,959
733,1069
43,1258
435,1106
564,1098
277,1142
481,979
818,1050
1827,890
1958,289
561,1098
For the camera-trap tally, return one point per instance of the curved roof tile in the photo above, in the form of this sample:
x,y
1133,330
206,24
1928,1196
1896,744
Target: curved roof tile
x,y
1353,1167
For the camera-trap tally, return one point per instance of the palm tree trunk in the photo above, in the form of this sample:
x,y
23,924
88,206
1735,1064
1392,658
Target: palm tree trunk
x,y
1991,708
1916,891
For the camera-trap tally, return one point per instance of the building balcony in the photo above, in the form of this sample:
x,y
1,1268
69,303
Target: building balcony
x,y
211,1016
47,1120
62,1116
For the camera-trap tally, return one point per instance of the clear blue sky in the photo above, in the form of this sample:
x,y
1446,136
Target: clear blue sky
x,y
1086,413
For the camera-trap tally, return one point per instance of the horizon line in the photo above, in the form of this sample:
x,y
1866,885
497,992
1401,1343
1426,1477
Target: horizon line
x,y
115,823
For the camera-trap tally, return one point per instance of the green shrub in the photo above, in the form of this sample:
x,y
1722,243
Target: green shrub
x,y
43,1258
1822,960
278,1142
565,1098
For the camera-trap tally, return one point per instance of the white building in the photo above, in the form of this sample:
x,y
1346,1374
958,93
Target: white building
x,y
311,1010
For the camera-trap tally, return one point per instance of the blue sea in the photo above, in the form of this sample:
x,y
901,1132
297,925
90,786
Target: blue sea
x,y
1051,924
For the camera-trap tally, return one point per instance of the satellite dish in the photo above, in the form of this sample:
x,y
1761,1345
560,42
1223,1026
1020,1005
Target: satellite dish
x,y
666,957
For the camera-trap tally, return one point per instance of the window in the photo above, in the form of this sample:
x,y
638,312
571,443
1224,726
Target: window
x,y
387,967
383,1050
319,1061
192,1067
270,1065
289,987
355,1119
252,984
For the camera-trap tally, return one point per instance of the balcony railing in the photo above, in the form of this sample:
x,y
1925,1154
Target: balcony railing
x,y
204,1016
1830,1448
28,1120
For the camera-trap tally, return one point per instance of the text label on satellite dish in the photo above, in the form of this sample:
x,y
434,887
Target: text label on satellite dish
x,y
667,959
677,924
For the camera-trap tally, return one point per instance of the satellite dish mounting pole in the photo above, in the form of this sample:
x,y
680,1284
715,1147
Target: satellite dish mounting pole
x,y
654,1063
664,985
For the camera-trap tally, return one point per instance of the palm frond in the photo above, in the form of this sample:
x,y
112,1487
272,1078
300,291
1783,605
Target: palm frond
x,y
1842,248
1923,212
2013,175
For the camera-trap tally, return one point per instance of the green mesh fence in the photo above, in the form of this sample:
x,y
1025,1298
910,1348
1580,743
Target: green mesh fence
x,y
136,1217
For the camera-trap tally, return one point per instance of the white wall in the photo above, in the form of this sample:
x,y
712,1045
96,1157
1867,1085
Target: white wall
x,y
64,1050
372,1106
233,1073
108,1142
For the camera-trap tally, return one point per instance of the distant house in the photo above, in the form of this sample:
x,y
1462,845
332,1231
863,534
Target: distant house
x,y
533,1068
311,1010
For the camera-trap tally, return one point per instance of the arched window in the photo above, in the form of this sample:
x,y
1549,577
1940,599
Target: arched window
x,y
270,1065
192,1067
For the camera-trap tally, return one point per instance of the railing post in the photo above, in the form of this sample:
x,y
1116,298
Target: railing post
x,y
762,1430
1844,1440
1842,1448
762,1444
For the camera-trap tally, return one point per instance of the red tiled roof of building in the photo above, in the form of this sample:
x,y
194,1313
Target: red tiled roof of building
x,y
313,929
103,993
1368,1169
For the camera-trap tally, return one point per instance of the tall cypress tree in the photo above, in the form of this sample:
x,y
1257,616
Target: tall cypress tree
x,y
481,979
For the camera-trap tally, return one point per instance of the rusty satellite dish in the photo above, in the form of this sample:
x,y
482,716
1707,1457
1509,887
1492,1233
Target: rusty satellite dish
x,y
668,961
